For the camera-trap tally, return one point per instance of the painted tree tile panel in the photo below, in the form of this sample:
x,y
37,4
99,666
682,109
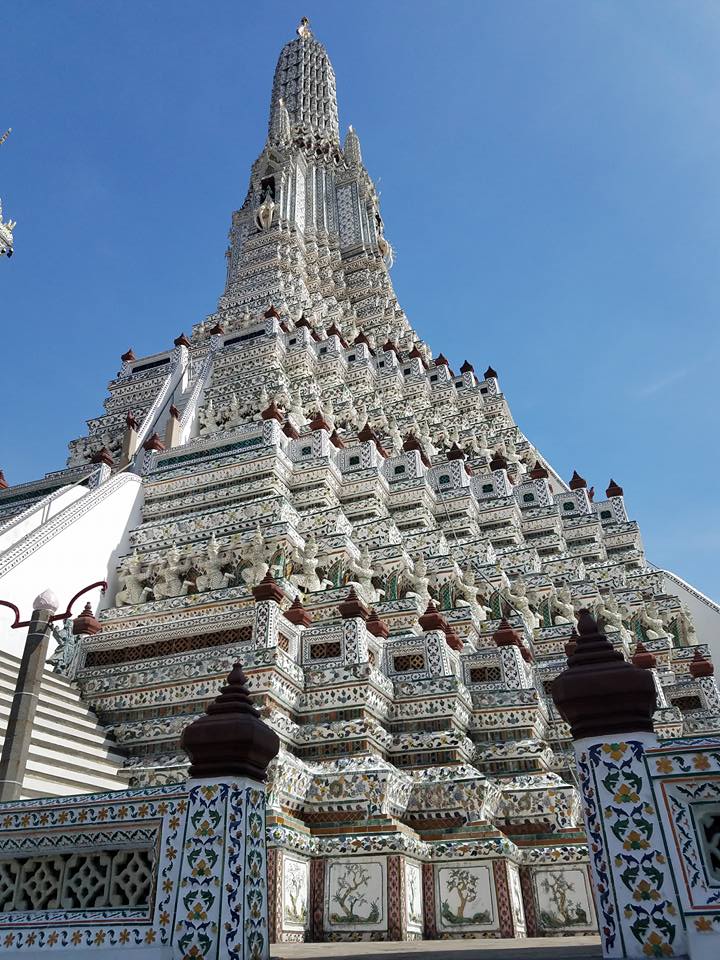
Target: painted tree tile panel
x,y
465,897
356,895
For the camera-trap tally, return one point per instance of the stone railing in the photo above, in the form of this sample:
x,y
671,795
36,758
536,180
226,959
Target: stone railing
x,y
652,808
172,871
100,870
685,776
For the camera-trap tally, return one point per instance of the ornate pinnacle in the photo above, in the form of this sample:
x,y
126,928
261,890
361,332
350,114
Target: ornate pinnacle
x,y
230,739
272,412
320,423
453,640
600,693
411,443
303,29
290,431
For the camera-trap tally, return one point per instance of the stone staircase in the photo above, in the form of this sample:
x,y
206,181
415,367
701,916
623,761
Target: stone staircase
x,y
69,751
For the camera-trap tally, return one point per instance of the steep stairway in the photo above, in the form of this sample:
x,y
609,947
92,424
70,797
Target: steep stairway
x,y
69,751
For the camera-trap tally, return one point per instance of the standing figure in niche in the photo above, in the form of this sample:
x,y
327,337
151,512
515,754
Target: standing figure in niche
x,y
133,582
468,595
256,556
561,606
171,580
363,572
212,576
419,583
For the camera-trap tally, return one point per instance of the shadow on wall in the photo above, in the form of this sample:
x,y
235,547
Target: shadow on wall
x,y
545,948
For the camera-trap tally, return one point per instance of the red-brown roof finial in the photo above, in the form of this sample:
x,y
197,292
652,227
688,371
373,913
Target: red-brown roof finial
x,y
272,412
86,624
297,614
268,589
154,443
643,658
577,482
700,666
538,472
432,619
102,455
376,626
353,606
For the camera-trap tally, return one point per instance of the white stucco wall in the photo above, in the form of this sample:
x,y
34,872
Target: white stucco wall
x,y
75,547
39,513
705,612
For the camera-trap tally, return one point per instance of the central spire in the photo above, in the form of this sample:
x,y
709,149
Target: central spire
x,y
305,81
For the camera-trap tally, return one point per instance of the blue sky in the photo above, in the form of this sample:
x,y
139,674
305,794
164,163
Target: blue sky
x,y
549,179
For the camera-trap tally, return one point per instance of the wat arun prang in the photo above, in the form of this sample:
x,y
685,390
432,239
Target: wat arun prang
x,y
396,566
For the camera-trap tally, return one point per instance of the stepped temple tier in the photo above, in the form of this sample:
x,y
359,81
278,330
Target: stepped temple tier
x,y
302,485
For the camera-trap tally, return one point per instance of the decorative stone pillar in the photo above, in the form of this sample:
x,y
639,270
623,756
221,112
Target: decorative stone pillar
x,y
18,734
702,670
513,656
268,595
104,461
429,908
130,439
172,428
354,615
223,893
609,705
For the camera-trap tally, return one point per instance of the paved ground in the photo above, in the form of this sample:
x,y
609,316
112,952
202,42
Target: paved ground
x,y
545,948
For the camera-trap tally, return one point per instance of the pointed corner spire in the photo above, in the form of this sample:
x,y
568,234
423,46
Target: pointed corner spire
x,y
280,130
353,153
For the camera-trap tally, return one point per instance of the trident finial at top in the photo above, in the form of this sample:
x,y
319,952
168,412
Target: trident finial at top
x,y
4,137
303,29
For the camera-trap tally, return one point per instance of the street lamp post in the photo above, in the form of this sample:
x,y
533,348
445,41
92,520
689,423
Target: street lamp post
x,y
16,746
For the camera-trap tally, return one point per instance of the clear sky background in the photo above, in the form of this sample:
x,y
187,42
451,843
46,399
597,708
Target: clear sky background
x,y
549,179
